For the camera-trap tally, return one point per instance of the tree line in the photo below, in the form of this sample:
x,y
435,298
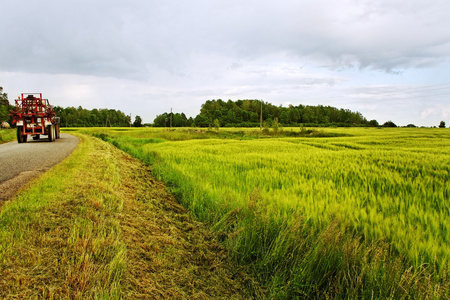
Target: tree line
x,y
247,113
214,113
81,117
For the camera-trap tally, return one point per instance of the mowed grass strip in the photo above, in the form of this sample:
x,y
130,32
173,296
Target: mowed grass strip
x,y
60,237
98,226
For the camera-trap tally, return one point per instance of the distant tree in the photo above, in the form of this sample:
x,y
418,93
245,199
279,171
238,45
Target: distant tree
x,y
177,120
389,124
442,124
306,116
184,120
190,122
231,117
137,122
373,123
201,121
253,117
411,126
265,128
216,124
276,125
161,120
284,118
4,107
3,97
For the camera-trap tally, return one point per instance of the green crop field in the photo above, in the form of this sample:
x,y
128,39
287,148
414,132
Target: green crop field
x,y
342,213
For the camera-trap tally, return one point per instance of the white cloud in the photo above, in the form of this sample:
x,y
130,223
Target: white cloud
x,y
428,112
446,112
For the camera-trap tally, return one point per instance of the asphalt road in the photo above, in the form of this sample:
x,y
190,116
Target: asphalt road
x,y
21,162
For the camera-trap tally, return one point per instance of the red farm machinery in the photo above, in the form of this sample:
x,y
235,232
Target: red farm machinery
x,y
35,116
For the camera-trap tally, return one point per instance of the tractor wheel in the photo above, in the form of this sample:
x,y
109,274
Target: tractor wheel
x,y
54,132
50,133
58,132
19,134
21,138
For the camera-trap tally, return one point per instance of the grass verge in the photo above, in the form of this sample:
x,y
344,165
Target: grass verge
x,y
59,237
7,135
98,226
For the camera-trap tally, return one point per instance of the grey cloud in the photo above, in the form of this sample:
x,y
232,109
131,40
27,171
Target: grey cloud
x,y
202,49
131,39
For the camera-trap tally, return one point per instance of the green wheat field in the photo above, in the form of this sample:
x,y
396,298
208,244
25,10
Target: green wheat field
x,y
354,212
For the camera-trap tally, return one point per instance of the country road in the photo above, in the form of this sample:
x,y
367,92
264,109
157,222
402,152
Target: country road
x,y
21,162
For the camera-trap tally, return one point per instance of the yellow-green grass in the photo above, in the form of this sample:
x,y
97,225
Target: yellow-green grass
x,y
7,135
360,215
387,183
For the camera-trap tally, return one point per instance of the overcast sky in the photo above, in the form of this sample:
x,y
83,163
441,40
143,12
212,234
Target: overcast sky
x,y
388,59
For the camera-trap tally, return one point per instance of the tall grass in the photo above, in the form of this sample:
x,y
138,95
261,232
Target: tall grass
x,y
365,215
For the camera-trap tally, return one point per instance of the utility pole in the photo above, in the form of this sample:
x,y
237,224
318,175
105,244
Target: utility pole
x,y
130,120
261,117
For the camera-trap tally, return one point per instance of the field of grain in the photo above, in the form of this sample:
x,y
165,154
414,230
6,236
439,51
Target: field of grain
x,y
352,215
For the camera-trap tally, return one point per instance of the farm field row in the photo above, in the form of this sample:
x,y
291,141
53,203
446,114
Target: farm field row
x,y
384,189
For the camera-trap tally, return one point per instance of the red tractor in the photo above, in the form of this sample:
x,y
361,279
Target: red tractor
x,y
35,116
